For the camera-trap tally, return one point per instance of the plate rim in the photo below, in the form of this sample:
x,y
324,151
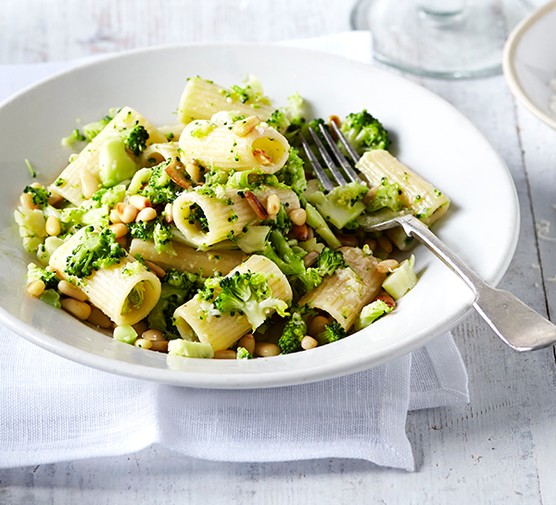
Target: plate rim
x,y
508,61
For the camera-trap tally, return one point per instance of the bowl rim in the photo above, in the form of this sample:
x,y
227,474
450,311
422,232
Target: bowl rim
x,y
508,61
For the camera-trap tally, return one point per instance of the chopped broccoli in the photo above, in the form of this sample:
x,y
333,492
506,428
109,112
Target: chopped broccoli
x,y
327,263
40,195
115,163
35,272
73,138
136,140
250,93
159,187
52,297
402,279
293,173
177,288
90,130
242,353
281,221
248,294
317,222
156,230
364,132
95,250
197,216
279,121
387,195
294,331
110,196
278,250
342,205
332,332
371,312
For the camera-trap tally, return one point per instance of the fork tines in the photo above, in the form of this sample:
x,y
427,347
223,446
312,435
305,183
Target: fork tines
x,y
340,169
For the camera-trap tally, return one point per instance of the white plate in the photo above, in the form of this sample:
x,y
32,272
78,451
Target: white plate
x,y
530,61
430,136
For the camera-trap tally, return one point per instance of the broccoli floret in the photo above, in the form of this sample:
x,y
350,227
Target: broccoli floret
x,y
247,294
278,250
364,132
160,188
281,222
332,332
136,140
292,173
327,263
387,195
40,195
177,288
156,230
279,121
371,312
342,205
73,138
35,273
242,353
294,331
95,250
250,93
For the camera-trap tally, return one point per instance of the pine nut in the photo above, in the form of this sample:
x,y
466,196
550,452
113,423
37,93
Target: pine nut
x,y
317,325
310,258
153,335
36,185
300,233
310,233
115,216
194,170
308,342
168,216
36,288
140,327
26,201
385,244
139,202
155,269
266,349
386,266
119,229
52,226
273,204
147,214
99,319
245,126
54,199
348,240
71,290
77,309
143,344
89,184
248,342
159,345
224,354
262,157
298,216
128,213
372,243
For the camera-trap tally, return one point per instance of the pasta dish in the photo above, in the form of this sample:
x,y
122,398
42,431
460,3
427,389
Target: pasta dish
x,y
212,238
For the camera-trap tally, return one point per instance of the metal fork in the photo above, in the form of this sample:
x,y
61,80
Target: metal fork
x,y
515,323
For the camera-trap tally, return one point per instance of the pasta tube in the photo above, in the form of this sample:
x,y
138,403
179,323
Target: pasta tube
x,y
216,145
80,179
187,259
202,98
422,199
206,219
126,292
348,290
222,330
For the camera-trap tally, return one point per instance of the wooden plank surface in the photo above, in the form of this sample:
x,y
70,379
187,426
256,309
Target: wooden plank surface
x,y
498,449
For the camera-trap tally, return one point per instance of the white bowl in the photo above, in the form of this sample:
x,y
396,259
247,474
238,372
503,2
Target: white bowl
x,y
530,62
431,137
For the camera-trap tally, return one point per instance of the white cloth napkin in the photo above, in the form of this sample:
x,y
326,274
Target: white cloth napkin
x,y
54,410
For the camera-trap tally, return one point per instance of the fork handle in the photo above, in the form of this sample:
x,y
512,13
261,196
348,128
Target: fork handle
x,y
515,323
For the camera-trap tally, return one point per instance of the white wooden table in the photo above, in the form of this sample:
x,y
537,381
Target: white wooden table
x,y
498,449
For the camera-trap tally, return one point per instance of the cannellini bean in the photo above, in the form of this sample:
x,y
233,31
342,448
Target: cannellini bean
x,y
248,342
140,202
266,349
147,214
308,342
225,354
